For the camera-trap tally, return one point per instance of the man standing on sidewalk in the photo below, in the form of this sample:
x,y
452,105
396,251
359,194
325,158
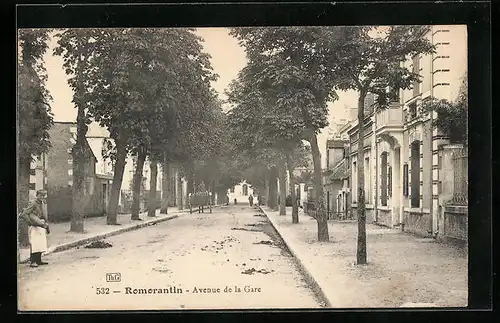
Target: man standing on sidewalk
x,y
250,199
37,220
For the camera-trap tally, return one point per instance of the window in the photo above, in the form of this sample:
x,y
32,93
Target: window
x,y
354,182
232,189
33,186
33,172
383,179
405,180
245,190
70,161
412,107
415,174
70,183
70,172
367,181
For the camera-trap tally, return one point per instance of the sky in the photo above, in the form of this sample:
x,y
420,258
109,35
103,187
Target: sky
x,y
227,58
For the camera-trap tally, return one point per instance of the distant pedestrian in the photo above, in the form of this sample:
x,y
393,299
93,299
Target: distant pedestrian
x,y
250,199
38,228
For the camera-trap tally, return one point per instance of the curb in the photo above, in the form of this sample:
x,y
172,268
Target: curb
x,y
99,236
305,270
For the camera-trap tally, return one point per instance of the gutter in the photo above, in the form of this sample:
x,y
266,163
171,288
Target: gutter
x,y
431,211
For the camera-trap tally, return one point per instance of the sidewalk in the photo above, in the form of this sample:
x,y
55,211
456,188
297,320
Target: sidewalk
x,y
61,239
403,270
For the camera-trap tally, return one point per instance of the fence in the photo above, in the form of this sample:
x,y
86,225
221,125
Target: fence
x,y
340,212
460,177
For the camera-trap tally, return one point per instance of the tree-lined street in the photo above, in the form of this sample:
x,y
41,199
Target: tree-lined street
x,y
152,90
230,247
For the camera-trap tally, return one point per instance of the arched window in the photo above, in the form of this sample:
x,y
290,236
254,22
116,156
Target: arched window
x,y
245,189
232,189
415,174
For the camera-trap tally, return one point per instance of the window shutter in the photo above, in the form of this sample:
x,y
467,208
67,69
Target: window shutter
x,y
389,181
405,180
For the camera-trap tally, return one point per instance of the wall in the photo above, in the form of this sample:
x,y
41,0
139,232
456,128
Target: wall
x,y
455,222
416,221
59,173
238,193
102,166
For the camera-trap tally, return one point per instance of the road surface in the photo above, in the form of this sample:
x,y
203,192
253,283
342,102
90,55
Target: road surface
x,y
230,259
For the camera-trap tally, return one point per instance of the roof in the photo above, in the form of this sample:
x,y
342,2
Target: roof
x,y
336,143
339,171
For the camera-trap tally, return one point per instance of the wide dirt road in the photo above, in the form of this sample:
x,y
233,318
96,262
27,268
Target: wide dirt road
x,y
225,260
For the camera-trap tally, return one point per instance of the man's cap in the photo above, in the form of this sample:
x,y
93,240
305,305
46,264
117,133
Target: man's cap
x,y
41,192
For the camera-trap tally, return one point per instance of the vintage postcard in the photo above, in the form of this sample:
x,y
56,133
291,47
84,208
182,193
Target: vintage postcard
x,y
242,168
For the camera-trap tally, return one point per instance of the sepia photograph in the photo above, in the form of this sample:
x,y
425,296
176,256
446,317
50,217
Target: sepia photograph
x,y
286,167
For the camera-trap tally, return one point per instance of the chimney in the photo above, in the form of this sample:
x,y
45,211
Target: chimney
x,y
335,151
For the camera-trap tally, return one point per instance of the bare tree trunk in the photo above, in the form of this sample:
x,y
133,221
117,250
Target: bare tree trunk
x,y
165,196
212,190
281,177
295,207
121,156
273,201
180,192
119,167
361,248
78,205
152,189
136,184
23,182
323,234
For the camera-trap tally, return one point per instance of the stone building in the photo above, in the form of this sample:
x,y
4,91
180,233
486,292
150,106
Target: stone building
x,y
333,177
59,174
403,150
241,192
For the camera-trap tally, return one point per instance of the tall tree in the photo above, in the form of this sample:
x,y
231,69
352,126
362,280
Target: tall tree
x,y
143,85
369,60
295,157
282,182
79,49
289,67
152,188
136,182
34,113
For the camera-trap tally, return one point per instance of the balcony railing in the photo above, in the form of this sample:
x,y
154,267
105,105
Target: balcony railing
x,y
390,117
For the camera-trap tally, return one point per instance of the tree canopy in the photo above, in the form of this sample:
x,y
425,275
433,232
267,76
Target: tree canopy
x,y
34,113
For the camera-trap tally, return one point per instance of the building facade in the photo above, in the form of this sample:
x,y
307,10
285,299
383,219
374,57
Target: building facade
x,y
402,147
336,195
241,192
58,163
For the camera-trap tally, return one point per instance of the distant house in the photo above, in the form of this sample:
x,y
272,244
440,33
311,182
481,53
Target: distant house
x,y
58,162
335,178
240,192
